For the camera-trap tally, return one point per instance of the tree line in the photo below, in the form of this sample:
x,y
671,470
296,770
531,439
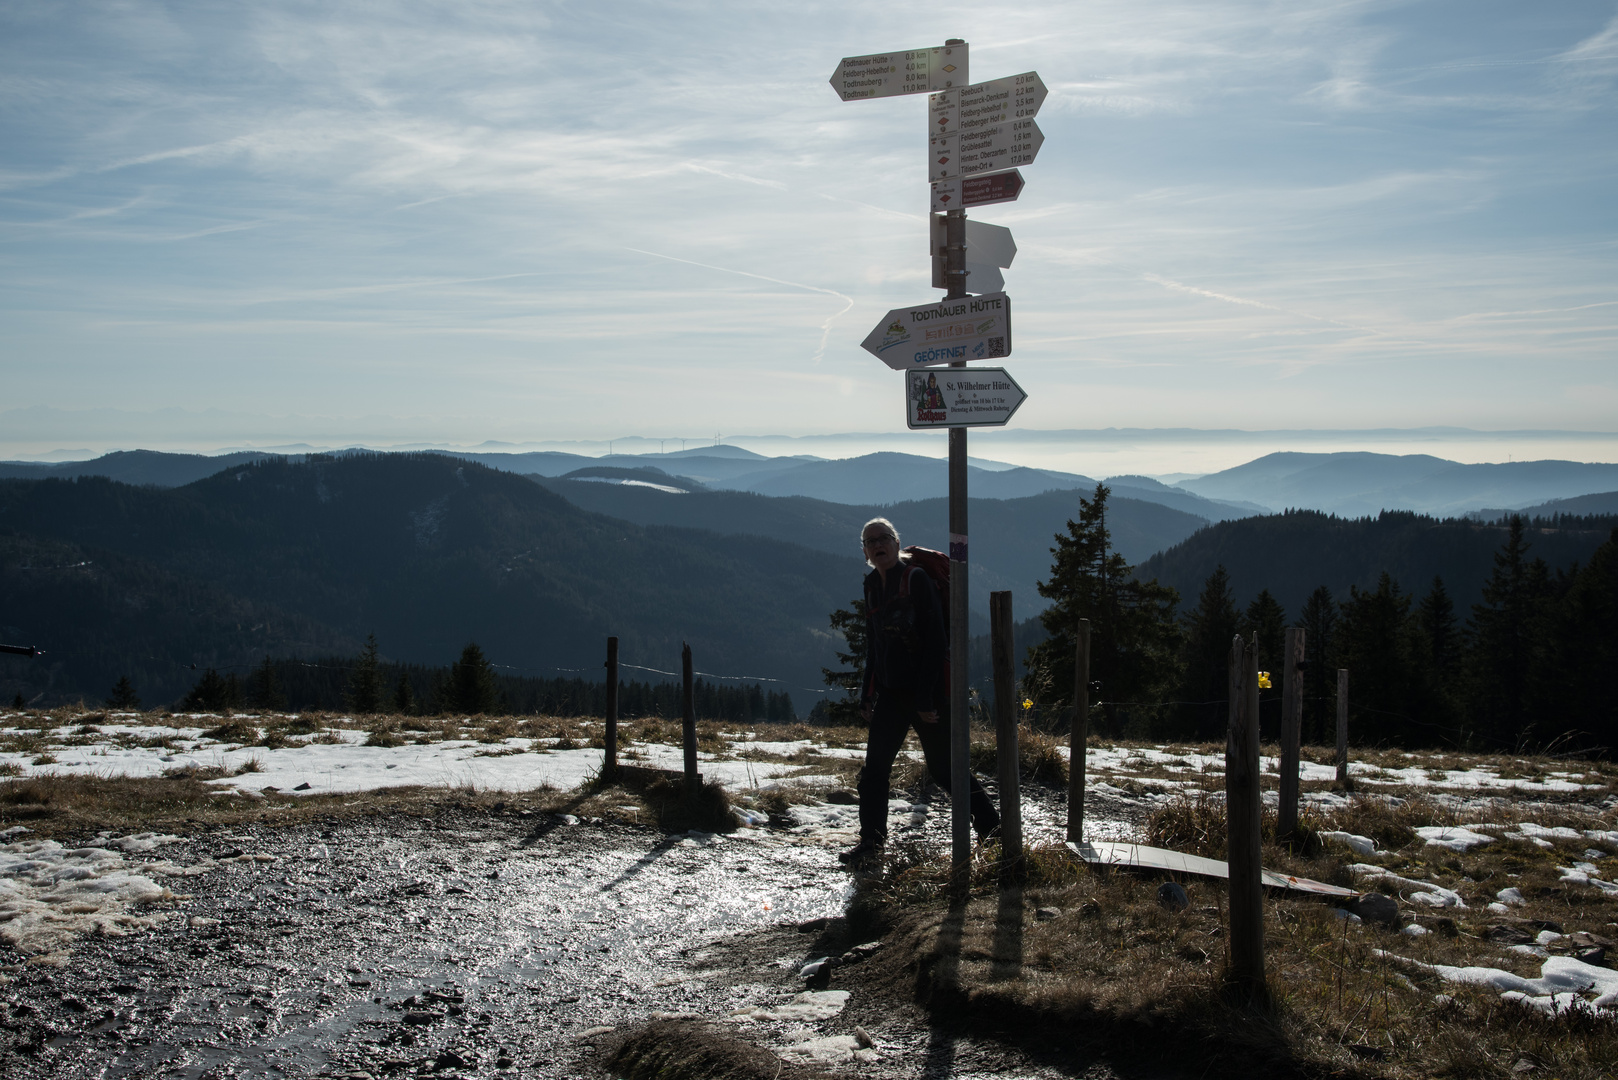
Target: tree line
x,y
470,686
1530,666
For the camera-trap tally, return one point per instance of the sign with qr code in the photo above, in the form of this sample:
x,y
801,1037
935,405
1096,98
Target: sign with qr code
x,y
912,71
961,397
943,332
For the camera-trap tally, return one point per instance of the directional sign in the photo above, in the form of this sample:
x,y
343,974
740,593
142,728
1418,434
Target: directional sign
x,y
988,247
960,192
993,149
961,397
915,71
985,105
971,328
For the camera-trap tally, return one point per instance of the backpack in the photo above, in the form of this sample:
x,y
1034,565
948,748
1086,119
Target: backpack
x,y
936,566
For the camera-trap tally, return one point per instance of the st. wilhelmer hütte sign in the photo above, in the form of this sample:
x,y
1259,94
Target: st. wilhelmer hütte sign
x,y
971,328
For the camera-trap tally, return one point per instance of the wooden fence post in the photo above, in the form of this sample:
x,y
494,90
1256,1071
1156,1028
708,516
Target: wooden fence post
x,y
609,762
1342,730
1007,755
688,722
1079,737
1291,732
1245,961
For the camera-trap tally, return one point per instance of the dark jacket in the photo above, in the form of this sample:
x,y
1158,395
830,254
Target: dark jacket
x,y
905,648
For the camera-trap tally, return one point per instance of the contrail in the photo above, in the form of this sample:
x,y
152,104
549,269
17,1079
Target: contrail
x,y
825,327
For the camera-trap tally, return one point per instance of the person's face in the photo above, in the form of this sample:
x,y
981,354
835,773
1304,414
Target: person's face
x,y
881,549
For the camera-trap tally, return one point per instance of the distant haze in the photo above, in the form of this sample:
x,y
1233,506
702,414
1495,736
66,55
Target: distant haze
x,y
50,434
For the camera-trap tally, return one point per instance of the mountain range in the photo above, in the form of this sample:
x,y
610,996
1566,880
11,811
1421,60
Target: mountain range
x,y
1348,484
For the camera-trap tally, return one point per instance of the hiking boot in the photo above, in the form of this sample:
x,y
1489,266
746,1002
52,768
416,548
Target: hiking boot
x,y
866,851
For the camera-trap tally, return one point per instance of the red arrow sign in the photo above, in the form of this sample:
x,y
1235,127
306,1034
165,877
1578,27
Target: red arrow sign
x,y
958,193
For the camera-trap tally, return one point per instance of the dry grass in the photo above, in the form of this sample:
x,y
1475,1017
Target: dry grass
x,y
1116,966
1112,965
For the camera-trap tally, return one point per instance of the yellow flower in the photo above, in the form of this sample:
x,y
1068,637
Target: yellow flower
x,y
1027,703
1264,680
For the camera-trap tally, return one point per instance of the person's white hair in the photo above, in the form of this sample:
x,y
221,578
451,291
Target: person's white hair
x,y
886,526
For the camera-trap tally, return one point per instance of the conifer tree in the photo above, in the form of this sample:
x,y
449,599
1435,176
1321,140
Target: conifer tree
x,y
1507,630
263,689
213,693
1586,636
1375,643
1264,621
1439,655
404,698
850,623
1134,637
123,695
471,682
1319,621
1209,628
365,680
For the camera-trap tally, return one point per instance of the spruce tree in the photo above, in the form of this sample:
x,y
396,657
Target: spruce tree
x,y
123,695
1376,645
213,693
1507,630
404,698
1319,621
1586,644
1439,656
1264,621
1209,628
849,622
1134,637
263,689
365,680
471,682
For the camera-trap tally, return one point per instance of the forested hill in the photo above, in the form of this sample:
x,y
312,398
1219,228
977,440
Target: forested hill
x,y
1292,554
427,551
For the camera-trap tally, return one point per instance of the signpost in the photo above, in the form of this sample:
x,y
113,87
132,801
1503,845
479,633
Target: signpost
x,y
988,248
969,397
987,104
993,149
960,192
948,331
977,135
914,71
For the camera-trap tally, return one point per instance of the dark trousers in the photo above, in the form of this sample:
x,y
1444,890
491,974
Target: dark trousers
x,y
891,720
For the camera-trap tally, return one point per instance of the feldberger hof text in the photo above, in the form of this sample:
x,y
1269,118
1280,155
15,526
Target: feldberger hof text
x,y
971,328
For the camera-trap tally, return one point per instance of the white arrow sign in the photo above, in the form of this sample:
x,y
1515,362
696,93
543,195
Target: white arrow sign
x,y
961,397
988,247
915,71
985,105
993,149
971,328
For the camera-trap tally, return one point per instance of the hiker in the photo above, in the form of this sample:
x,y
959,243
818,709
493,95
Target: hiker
x,y
905,685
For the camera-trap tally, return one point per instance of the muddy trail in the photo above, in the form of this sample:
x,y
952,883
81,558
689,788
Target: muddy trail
x,y
472,943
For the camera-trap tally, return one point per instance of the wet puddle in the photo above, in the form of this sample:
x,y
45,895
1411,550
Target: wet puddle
x,y
468,945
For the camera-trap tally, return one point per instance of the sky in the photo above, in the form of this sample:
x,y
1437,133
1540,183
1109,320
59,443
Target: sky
x,y
401,223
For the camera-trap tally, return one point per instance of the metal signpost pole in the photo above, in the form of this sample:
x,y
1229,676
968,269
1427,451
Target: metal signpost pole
x,y
960,732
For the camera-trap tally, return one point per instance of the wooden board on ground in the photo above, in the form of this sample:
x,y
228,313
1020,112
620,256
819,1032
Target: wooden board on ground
x,y
1139,856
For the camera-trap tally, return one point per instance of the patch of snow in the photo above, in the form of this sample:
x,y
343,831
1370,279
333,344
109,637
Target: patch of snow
x,y
1513,895
1424,892
1584,874
1452,837
1360,845
1563,983
50,894
807,1007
